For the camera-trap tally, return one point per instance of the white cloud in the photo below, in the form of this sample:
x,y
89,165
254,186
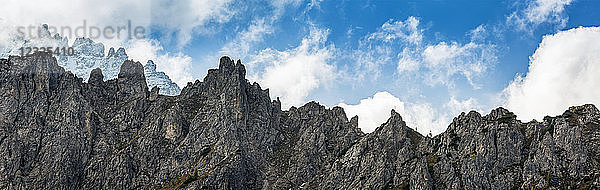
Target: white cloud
x,y
292,74
244,45
66,16
540,11
187,17
374,111
379,48
407,30
407,61
369,61
563,71
455,106
445,60
402,43
182,18
280,5
244,42
177,65
478,33
418,62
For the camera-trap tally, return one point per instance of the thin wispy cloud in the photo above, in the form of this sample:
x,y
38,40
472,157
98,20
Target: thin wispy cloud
x,y
538,12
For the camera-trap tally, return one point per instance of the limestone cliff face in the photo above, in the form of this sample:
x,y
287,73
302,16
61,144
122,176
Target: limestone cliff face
x,y
58,131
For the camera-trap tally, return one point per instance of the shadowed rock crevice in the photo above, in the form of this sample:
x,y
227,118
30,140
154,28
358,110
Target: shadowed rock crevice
x,y
223,132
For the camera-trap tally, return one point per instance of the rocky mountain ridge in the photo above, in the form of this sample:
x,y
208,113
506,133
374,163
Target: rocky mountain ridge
x,y
223,132
88,55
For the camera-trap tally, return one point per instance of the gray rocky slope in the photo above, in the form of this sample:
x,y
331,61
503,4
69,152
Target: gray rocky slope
x,y
59,132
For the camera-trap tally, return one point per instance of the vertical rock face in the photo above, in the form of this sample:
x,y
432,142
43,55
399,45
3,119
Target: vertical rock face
x,y
45,124
225,133
386,158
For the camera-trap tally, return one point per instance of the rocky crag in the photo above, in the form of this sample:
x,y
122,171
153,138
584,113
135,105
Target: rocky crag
x,y
89,55
60,132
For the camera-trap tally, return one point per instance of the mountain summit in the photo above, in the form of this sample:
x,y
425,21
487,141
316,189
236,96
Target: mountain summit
x,y
57,131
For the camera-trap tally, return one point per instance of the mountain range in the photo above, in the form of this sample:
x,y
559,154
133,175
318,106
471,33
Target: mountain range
x,y
59,130
88,55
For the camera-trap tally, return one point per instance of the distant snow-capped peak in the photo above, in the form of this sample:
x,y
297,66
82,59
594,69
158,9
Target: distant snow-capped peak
x,y
87,56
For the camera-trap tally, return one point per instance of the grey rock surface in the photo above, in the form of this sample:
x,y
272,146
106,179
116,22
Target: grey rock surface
x,y
60,132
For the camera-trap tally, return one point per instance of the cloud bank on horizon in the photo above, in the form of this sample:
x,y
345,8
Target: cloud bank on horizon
x,y
427,60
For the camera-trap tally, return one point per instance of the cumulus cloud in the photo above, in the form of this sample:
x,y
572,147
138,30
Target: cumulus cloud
x,y
563,71
292,74
176,65
374,111
538,12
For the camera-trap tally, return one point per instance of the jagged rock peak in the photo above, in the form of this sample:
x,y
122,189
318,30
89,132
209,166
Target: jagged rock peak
x,y
584,109
44,32
396,118
395,115
96,76
472,115
339,111
499,113
228,66
111,52
151,66
43,58
131,70
83,40
584,113
160,80
354,121
312,105
88,47
119,53
393,123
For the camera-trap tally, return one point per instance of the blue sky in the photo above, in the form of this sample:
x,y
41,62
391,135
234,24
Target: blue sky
x,y
429,60
349,23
